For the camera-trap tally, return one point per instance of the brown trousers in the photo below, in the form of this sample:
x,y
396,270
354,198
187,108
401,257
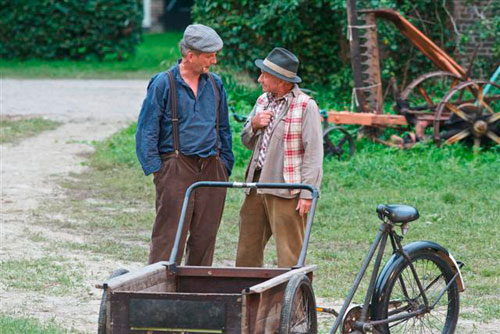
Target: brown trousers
x,y
203,214
262,216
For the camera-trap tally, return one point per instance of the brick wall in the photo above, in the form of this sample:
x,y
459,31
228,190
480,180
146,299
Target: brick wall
x,y
466,13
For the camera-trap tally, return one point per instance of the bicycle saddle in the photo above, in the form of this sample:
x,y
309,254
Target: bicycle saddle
x,y
397,213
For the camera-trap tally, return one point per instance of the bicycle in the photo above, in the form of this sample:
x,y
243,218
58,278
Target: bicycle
x,y
417,290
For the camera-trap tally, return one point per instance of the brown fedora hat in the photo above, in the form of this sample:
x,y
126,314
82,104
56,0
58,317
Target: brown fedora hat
x,y
282,64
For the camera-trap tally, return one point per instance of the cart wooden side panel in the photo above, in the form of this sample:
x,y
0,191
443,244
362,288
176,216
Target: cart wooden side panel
x,y
137,312
198,299
262,303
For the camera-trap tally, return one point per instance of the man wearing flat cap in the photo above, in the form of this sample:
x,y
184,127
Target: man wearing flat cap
x,y
182,137
284,132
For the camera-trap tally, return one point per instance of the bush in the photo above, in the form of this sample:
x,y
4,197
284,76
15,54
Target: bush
x,y
315,30
57,29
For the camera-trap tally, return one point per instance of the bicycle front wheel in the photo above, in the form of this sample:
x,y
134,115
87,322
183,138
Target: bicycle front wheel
x,y
402,296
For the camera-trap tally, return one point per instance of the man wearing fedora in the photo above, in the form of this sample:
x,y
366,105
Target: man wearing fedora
x,y
182,137
284,132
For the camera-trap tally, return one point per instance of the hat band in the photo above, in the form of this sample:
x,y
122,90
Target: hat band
x,y
279,69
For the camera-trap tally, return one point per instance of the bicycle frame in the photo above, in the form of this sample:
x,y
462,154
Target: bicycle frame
x,y
386,231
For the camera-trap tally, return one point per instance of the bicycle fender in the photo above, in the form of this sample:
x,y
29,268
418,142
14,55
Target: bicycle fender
x,y
414,247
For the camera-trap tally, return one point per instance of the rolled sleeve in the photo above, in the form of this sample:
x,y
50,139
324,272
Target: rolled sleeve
x,y
148,125
312,163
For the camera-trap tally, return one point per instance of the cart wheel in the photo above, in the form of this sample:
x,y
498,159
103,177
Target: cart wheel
x,y
425,92
338,142
298,314
468,114
101,324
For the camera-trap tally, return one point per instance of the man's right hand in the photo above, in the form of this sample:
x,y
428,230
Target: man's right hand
x,y
261,120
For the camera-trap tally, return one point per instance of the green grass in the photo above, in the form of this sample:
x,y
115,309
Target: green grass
x,y
24,325
12,130
156,53
49,275
455,191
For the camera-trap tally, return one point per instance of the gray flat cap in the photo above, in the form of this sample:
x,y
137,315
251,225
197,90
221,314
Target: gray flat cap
x,y
202,38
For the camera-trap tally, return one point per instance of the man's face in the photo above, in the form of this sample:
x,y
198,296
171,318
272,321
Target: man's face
x,y
270,83
201,62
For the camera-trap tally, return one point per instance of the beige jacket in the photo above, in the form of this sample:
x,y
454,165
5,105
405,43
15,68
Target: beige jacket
x,y
272,171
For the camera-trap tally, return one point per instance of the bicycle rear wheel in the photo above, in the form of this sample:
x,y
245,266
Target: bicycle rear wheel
x,y
402,296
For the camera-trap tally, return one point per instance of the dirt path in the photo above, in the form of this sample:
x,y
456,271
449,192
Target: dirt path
x,y
89,110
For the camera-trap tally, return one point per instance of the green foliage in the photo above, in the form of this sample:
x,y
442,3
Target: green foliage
x,y
69,29
316,31
250,29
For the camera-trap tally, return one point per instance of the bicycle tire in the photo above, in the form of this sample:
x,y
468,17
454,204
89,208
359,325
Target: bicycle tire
x,y
101,322
434,274
298,313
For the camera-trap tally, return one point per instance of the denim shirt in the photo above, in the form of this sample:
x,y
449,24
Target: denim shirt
x,y
197,119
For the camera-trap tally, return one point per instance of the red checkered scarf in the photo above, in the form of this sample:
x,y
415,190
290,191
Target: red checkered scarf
x,y
293,147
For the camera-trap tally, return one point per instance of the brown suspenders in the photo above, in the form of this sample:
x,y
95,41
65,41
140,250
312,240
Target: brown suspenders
x,y
217,111
175,118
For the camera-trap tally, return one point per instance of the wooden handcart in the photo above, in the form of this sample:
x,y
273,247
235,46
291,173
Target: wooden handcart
x,y
167,298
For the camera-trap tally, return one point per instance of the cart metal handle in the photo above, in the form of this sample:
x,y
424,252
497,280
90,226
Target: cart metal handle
x,y
253,185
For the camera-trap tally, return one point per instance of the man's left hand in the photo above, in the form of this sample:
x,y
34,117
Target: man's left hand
x,y
303,206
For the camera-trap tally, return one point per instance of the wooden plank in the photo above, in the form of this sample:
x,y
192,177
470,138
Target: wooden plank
x,y
199,284
118,315
161,287
259,288
269,310
230,271
261,312
167,311
366,119
143,278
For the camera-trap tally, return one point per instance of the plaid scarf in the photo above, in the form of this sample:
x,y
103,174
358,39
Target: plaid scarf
x,y
293,147
275,106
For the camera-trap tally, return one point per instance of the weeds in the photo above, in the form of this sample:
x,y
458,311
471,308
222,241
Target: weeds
x,y
12,130
50,275
24,325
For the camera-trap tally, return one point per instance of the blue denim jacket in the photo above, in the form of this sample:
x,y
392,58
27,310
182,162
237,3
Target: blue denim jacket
x,y
197,133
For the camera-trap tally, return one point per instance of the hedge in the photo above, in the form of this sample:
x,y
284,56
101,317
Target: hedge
x,y
316,31
75,29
